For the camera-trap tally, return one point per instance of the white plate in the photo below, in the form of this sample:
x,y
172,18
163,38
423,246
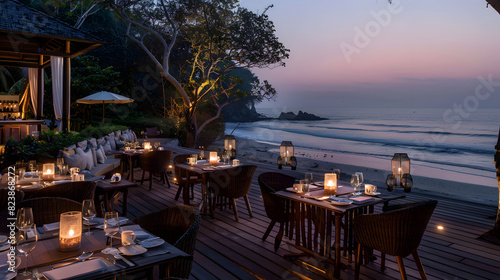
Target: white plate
x,y
152,243
373,193
3,239
340,201
322,198
132,250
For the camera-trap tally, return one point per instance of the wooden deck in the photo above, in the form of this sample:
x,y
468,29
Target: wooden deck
x,y
229,250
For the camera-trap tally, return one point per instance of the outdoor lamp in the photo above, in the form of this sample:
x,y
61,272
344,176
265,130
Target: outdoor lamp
x,y
147,146
330,183
213,160
286,156
230,146
70,231
48,171
400,168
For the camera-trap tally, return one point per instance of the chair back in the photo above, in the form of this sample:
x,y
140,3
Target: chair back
x,y
155,161
179,226
269,183
48,210
77,191
398,232
232,182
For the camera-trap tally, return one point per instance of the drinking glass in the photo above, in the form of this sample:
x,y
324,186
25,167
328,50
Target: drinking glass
x,y
32,166
407,181
355,183
111,225
24,218
305,187
309,178
88,213
26,239
337,171
361,180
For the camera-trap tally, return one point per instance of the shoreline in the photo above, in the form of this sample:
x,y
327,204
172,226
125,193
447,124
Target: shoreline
x,y
463,186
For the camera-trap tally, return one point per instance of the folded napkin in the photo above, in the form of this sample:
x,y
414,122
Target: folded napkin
x,y
210,168
78,269
61,181
34,186
139,232
202,161
339,199
155,252
361,199
52,226
121,220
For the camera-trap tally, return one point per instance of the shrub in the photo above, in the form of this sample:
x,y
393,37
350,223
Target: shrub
x,y
100,131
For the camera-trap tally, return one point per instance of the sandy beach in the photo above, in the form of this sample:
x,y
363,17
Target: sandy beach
x,y
481,188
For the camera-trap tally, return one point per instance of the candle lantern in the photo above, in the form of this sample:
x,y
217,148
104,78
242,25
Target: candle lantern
x,y
48,171
70,231
400,168
230,146
330,183
147,146
286,156
213,160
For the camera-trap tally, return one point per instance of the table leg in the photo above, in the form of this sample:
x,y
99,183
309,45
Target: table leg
x,y
124,209
185,189
131,168
107,202
338,220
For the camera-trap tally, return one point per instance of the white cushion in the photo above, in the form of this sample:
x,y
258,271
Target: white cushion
x,y
87,159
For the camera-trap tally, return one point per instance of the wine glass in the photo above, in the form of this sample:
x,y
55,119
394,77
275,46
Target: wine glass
x,y
32,166
361,180
111,225
337,171
26,239
88,213
24,218
355,182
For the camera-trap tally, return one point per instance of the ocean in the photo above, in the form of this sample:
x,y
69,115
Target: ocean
x,y
437,138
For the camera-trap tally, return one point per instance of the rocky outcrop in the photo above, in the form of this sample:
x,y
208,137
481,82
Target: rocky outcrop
x,y
301,116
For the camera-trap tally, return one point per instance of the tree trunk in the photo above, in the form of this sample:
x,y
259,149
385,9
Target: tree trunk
x,y
191,131
496,229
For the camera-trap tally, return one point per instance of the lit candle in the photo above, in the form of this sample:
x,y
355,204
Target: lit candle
x,y
70,231
48,171
213,160
330,183
147,146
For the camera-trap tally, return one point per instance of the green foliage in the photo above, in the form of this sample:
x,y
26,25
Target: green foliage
x,y
139,122
46,148
100,131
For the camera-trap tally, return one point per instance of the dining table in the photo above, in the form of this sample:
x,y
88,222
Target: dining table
x,y
202,169
109,189
129,158
47,259
313,215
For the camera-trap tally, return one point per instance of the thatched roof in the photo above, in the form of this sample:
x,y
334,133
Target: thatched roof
x,y
26,35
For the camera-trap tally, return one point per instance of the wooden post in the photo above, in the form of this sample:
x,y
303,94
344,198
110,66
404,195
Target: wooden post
x,y
66,90
496,228
39,94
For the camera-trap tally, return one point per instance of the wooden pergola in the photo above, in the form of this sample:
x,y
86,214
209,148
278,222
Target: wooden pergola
x,y
28,38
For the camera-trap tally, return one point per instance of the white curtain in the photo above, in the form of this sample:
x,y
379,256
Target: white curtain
x,y
56,64
33,80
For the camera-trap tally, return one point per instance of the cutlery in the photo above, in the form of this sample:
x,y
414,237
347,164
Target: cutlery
x,y
115,263
120,257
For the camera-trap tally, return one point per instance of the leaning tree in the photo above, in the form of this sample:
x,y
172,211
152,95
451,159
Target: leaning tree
x,y
207,39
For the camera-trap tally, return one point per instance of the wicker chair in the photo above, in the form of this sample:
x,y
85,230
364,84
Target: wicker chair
x,y
178,225
271,182
48,210
231,183
77,191
155,162
181,176
396,233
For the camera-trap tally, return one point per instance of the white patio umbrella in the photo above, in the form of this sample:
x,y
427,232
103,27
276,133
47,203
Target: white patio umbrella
x,y
104,97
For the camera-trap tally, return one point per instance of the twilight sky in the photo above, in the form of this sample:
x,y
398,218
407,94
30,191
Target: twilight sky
x,y
368,53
